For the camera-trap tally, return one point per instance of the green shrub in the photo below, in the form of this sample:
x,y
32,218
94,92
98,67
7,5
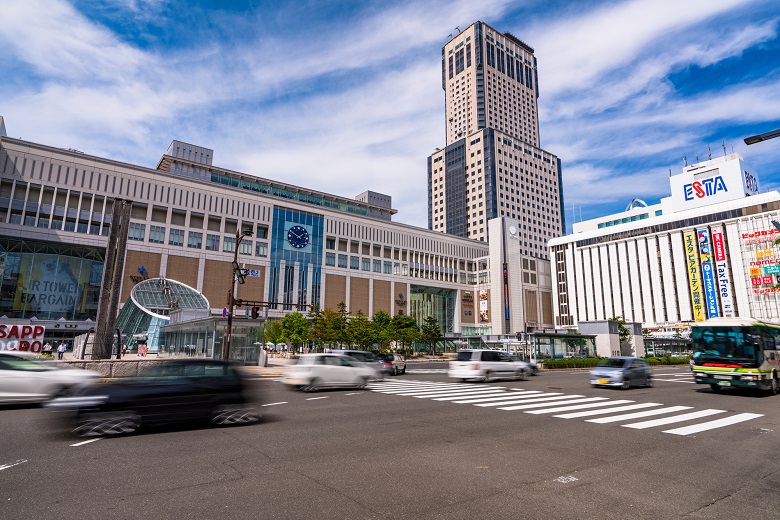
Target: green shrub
x,y
667,360
555,364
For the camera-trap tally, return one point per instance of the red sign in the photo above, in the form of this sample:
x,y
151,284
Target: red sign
x,y
717,245
21,337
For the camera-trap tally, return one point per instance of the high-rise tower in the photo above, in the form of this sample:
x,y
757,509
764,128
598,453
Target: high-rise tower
x,y
492,165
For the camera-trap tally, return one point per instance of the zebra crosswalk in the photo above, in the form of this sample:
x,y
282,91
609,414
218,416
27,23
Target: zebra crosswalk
x,y
597,410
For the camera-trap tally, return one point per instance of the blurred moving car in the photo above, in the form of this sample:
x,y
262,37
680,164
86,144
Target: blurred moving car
x,y
170,391
622,371
316,371
365,358
534,368
486,365
392,364
23,379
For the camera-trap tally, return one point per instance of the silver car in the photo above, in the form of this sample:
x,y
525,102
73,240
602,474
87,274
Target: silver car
x,y
23,379
316,371
623,372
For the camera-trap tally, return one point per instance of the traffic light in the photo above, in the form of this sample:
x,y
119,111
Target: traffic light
x,y
255,312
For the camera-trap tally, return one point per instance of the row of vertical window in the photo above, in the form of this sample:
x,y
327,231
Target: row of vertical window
x,y
137,231
508,65
365,264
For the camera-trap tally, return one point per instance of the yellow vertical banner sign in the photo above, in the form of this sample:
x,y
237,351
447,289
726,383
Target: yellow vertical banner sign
x,y
694,274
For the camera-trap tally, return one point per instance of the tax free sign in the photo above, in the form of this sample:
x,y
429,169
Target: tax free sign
x,y
712,182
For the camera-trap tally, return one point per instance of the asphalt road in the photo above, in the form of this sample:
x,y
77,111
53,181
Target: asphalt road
x,y
397,452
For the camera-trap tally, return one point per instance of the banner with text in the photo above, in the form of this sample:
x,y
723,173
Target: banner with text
x,y
722,272
694,275
707,274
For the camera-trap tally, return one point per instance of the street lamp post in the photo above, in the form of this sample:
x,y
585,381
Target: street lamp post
x,y
237,275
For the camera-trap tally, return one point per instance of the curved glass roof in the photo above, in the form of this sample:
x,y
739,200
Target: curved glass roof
x,y
159,295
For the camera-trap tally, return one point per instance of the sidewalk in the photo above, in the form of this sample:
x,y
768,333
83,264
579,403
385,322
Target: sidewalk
x,y
275,367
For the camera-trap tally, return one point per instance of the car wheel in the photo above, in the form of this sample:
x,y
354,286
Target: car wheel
x,y
107,424
626,384
313,386
403,370
231,415
773,389
395,371
487,377
61,392
362,383
649,382
521,375
715,388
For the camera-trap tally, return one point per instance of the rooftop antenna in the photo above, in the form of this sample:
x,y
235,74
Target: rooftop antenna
x,y
685,160
670,172
723,142
709,153
697,157
458,29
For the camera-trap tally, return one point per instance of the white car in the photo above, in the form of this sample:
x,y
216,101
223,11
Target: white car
x,y
486,365
26,380
316,371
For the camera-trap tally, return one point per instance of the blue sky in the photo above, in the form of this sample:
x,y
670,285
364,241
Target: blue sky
x,y
345,96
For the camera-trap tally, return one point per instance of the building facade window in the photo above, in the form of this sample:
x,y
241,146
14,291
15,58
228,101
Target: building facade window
x,y
176,237
212,242
228,245
136,231
366,264
354,262
377,266
261,249
156,234
245,247
330,259
195,240
343,261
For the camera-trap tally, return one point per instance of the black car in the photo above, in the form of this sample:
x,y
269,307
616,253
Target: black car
x,y
169,392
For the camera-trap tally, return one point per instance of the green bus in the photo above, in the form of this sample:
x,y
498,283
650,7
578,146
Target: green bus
x,y
730,352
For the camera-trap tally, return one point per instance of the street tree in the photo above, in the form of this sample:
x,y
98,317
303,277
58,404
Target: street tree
x,y
273,331
430,333
404,330
361,331
382,322
295,329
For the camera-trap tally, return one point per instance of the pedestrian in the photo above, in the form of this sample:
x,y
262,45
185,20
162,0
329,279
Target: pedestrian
x,y
61,350
47,348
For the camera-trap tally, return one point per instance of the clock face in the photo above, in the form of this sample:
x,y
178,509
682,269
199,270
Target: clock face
x,y
298,237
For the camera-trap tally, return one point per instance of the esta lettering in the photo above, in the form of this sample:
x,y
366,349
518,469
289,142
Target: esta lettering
x,y
704,188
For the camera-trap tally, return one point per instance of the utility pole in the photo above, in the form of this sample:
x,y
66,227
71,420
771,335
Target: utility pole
x,y
113,269
238,275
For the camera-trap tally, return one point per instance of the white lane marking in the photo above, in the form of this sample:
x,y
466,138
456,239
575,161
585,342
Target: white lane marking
x,y
87,442
675,381
717,423
447,391
426,371
670,420
408,388
532,399
274,404
629,416
11,465
354,393
606,410
315,398
461,393
503,397
579,406
542,405
497,393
